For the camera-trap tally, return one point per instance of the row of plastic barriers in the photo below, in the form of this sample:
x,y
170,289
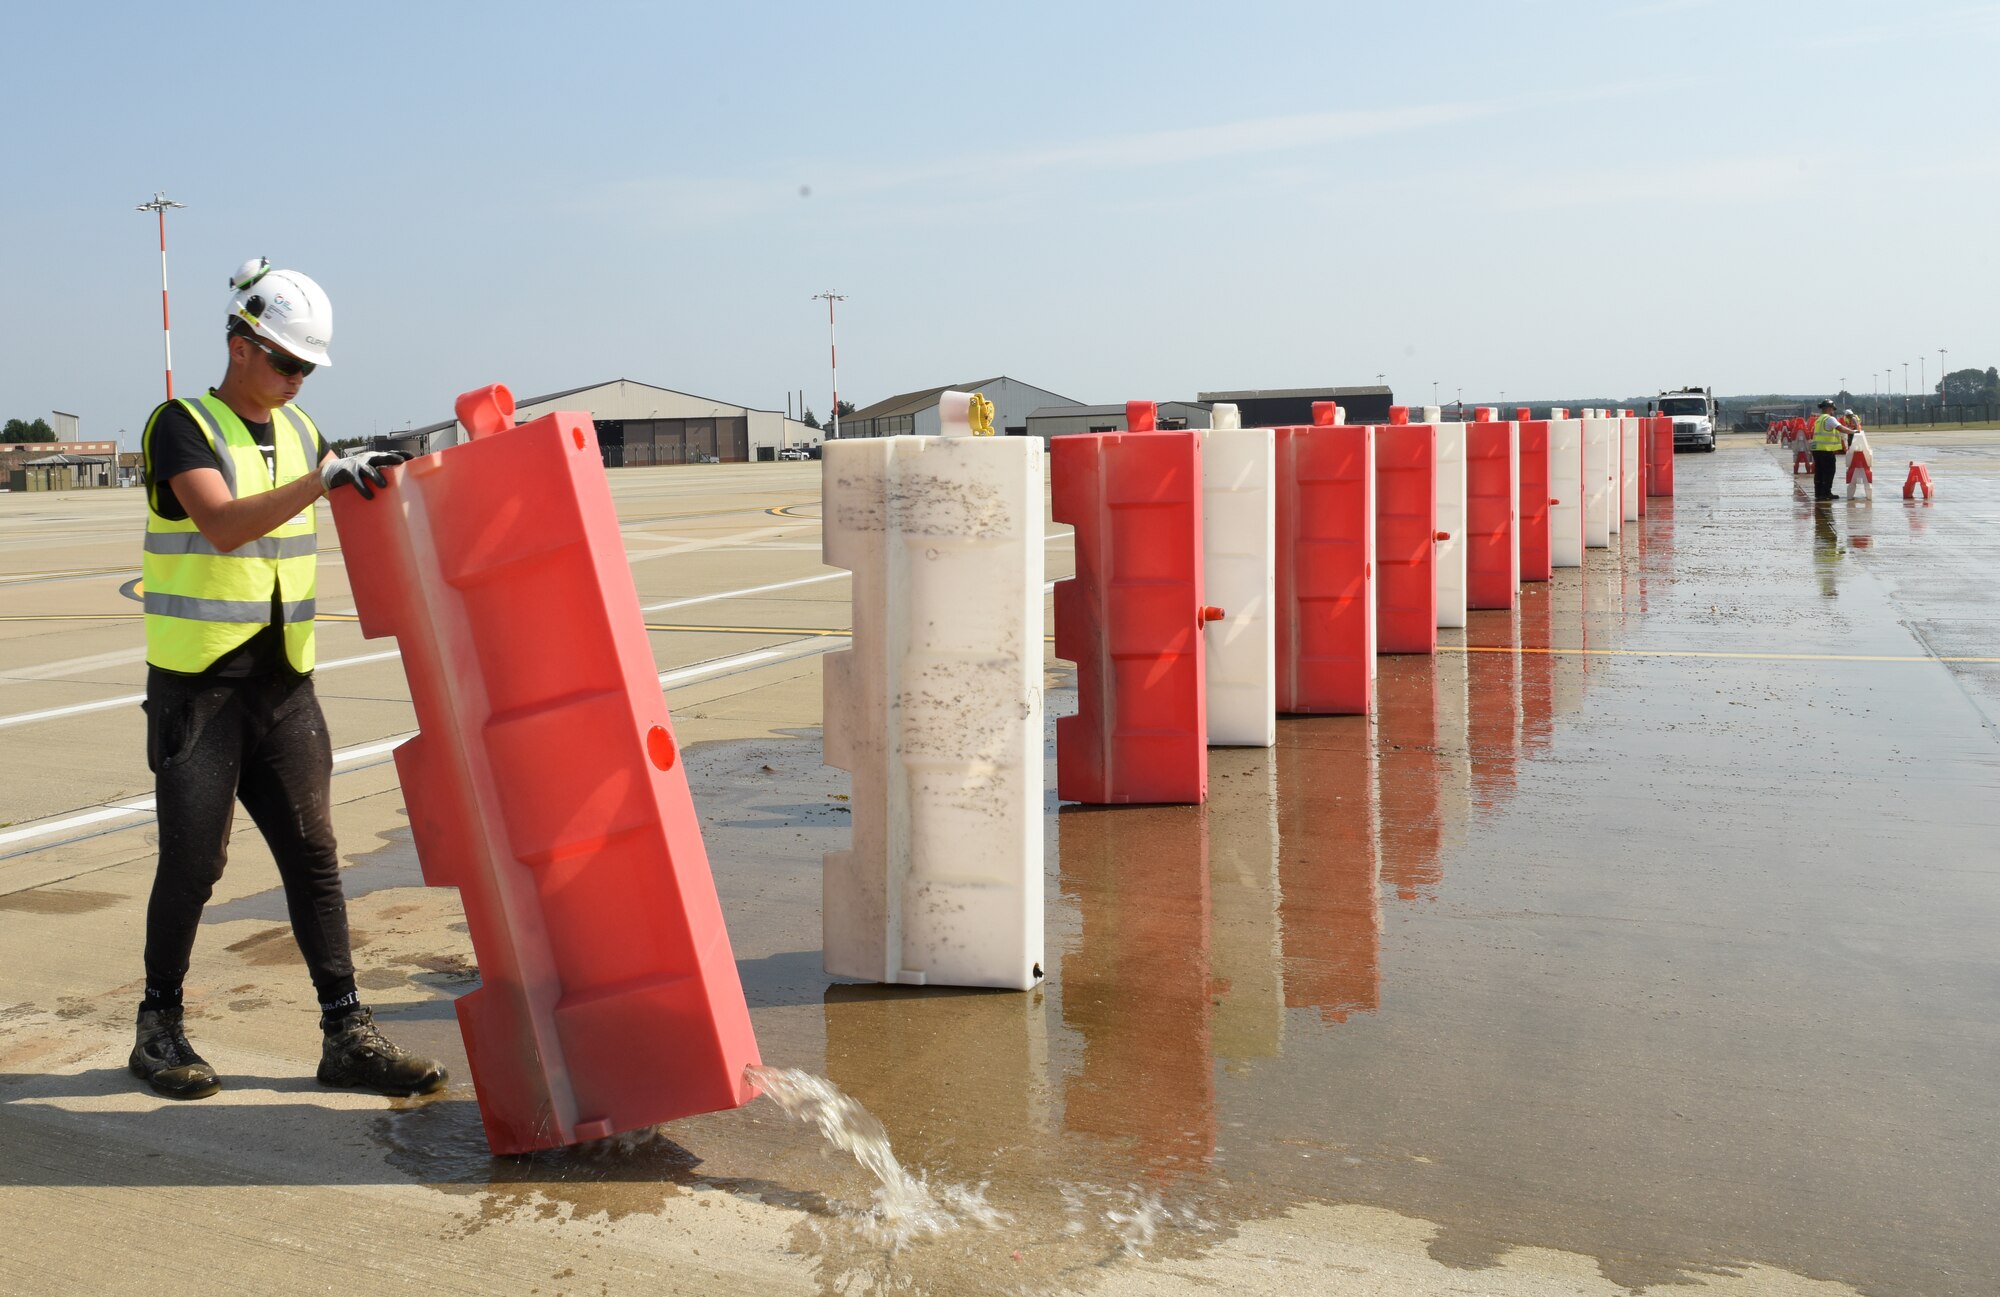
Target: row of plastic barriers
x,y
1224,576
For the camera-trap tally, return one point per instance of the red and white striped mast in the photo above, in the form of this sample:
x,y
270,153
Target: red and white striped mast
x,y
833,353
159,207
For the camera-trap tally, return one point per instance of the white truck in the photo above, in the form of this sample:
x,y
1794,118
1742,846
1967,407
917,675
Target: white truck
x,y
1693,411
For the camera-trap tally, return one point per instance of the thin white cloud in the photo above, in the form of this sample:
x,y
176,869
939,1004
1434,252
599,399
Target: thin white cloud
x,y
1702,183
1658,7
962,177
1960,22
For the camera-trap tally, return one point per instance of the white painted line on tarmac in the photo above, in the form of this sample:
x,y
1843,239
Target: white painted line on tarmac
x,y
52,670
736,594
783,652
145,805
126,700
49,828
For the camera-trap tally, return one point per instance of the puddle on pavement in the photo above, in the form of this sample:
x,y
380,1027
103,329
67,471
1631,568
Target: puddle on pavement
x,y
58,900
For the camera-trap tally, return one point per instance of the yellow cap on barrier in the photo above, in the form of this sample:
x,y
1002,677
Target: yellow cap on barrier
x,y
979,415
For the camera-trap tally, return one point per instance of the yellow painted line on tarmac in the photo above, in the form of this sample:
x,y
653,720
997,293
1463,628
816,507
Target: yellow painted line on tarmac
x,y
1705,653
788,511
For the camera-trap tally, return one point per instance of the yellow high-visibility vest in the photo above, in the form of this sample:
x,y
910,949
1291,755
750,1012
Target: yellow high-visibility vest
x,y
202,602
1826,433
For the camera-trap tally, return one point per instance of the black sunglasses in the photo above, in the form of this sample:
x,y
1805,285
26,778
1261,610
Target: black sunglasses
x,y
289,366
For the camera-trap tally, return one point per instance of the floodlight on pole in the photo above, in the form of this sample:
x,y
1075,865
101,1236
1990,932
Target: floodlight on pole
x,y
159,207
832,353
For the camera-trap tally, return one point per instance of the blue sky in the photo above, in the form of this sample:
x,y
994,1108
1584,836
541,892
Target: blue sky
x,y
1111,201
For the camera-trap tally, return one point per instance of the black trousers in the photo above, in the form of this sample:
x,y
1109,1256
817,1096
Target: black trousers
x,y
1823,466
262,740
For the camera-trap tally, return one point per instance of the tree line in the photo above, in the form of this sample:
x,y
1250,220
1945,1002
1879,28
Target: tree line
x,y
24,430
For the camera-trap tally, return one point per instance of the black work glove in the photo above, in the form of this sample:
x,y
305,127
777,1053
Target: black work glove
x,y
363,468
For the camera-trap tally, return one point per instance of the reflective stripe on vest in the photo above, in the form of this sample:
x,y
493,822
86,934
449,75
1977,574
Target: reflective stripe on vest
x,y
1826,433
202,602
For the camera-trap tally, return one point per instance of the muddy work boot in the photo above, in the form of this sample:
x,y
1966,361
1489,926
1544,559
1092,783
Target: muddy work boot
x,y
359,1056
163,1059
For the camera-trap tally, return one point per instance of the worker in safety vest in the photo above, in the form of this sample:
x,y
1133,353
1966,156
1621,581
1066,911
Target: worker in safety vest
x,y
229,577
1829,439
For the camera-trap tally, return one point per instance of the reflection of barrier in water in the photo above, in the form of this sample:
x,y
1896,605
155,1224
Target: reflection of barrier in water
x,y
1136,984
960,1075
1329,868
1245,955
1454,759
1493,692
1407,769
1536,631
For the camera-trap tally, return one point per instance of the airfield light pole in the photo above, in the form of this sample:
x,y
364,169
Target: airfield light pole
x,y
159,207
1906,391
1923,382
832,353
1941,383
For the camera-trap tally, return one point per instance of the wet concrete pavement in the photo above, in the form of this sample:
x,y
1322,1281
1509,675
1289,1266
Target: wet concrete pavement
x,y
1647,936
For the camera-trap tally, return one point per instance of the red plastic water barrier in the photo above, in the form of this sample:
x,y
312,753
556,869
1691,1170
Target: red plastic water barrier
x,y
1406,535
1919,477
1535,498
1862,464
1801,459
546,785
1132,615
1660,456
1492,498
1325,624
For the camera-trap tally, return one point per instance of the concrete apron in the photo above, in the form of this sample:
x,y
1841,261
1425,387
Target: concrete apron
x,y
1585,970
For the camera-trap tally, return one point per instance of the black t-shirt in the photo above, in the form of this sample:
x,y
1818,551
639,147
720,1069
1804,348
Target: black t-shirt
x,y
177,445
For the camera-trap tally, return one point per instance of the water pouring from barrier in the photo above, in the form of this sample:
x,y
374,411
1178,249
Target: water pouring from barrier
x,y
905,1207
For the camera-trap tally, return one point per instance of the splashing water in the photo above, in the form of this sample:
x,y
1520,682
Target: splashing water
x,y
905,1208
1139,1223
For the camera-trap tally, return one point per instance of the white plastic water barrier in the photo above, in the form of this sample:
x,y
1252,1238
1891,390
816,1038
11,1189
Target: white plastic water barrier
x,y
1599,443
1239,528
1629,427
1857,454
936,709
1566,489
1451,521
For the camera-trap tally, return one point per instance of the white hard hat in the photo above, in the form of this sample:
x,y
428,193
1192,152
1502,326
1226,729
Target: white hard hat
x,y
285,307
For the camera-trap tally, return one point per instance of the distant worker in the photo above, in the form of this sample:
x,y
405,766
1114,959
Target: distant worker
x,y
230,575
1829,439
1850,421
